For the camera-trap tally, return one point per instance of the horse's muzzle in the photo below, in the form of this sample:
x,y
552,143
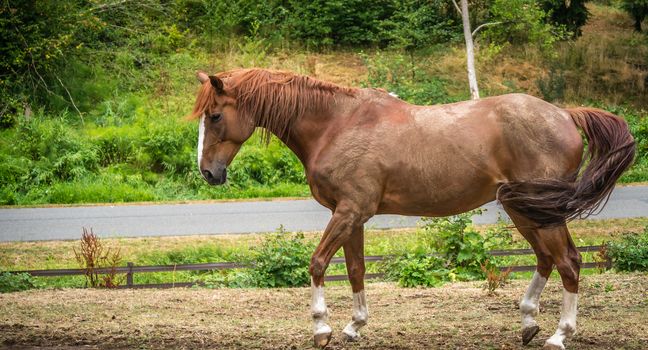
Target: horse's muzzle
x,y
216,176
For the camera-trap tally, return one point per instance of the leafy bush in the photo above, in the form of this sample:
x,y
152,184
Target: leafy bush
x,y
571,15
630,253
419,23
638,9
15,282
419,269
521,22
282,260
449,250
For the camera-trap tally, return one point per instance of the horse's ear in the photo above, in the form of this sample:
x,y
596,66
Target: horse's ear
x,y
216,83
202,76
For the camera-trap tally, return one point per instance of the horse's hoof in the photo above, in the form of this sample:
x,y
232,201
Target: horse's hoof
x,y
321,340
529,333
549,346
351,337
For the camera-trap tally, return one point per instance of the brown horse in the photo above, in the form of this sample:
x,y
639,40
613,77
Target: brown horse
x,y
366,153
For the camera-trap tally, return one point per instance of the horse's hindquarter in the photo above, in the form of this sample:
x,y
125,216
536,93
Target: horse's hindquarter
x,y
457,155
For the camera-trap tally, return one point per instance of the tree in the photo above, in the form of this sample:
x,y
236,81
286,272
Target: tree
x,y
638,9
571,14
470,55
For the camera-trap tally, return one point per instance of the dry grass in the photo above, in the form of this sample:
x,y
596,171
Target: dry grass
x,y
612,315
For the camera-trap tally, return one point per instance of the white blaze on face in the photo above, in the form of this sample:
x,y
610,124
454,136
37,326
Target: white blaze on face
x,y
360,315
529,305
319,310
201,139
567,325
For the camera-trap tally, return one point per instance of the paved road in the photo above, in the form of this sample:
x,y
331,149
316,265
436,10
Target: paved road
x,y
234,217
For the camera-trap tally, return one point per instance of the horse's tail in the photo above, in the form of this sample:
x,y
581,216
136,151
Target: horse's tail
x,y
611,150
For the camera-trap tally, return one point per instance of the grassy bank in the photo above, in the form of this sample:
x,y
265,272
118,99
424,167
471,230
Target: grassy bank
x,y
130,142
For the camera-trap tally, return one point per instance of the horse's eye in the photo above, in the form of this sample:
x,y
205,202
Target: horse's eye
x,y
216,117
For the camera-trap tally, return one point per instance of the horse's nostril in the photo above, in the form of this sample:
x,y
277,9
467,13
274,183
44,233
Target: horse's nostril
x,y
207,174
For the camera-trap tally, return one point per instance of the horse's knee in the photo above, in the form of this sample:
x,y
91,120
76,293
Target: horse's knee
x,y
318,266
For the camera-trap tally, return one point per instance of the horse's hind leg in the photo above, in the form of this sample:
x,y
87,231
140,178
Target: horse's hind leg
x,y
354,256
530,303
553,245
568,261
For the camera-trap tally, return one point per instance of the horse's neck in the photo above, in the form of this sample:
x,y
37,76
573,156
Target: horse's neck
x,y
311,132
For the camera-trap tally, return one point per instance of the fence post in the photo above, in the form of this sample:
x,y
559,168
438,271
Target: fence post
x,y
608,262
129,275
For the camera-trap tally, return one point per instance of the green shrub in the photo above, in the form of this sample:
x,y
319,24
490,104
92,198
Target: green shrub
x,y
15,282
630,253
638,10
521,22
418,269
282,260
448,250
571,15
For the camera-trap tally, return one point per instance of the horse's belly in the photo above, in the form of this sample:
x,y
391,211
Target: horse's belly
x,y
441,195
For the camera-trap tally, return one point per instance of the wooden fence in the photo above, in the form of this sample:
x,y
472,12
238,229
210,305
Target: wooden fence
x,y
130,269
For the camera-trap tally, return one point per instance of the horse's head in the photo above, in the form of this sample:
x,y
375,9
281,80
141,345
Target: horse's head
x,y
221,132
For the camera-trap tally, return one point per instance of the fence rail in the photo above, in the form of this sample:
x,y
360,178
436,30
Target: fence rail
x,y
131,268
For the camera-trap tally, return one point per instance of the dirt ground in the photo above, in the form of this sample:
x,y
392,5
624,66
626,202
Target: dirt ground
x,y
613,314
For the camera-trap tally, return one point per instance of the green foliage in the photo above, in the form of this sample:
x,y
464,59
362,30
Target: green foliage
x,y
325,22
415,24
125,64
141,157
413,270
571,15
15,282
630,253
281,260
406,77
638,9
401,23
521,22
449,250
36,35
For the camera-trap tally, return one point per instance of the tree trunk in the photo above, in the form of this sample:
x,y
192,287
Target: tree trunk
x,y
638,24
470,55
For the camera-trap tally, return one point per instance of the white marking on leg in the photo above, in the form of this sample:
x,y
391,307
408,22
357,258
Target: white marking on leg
x,y
530,304
319,310
359,318
567,325
201,139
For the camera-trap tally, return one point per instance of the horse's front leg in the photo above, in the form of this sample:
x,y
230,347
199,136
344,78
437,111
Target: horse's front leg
x,y
355,264
346,220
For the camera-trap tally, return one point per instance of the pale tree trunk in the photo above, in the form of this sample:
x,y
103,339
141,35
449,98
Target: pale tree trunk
x,y
470,54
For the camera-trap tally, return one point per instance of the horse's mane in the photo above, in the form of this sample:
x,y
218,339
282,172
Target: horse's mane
x,y
272,100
